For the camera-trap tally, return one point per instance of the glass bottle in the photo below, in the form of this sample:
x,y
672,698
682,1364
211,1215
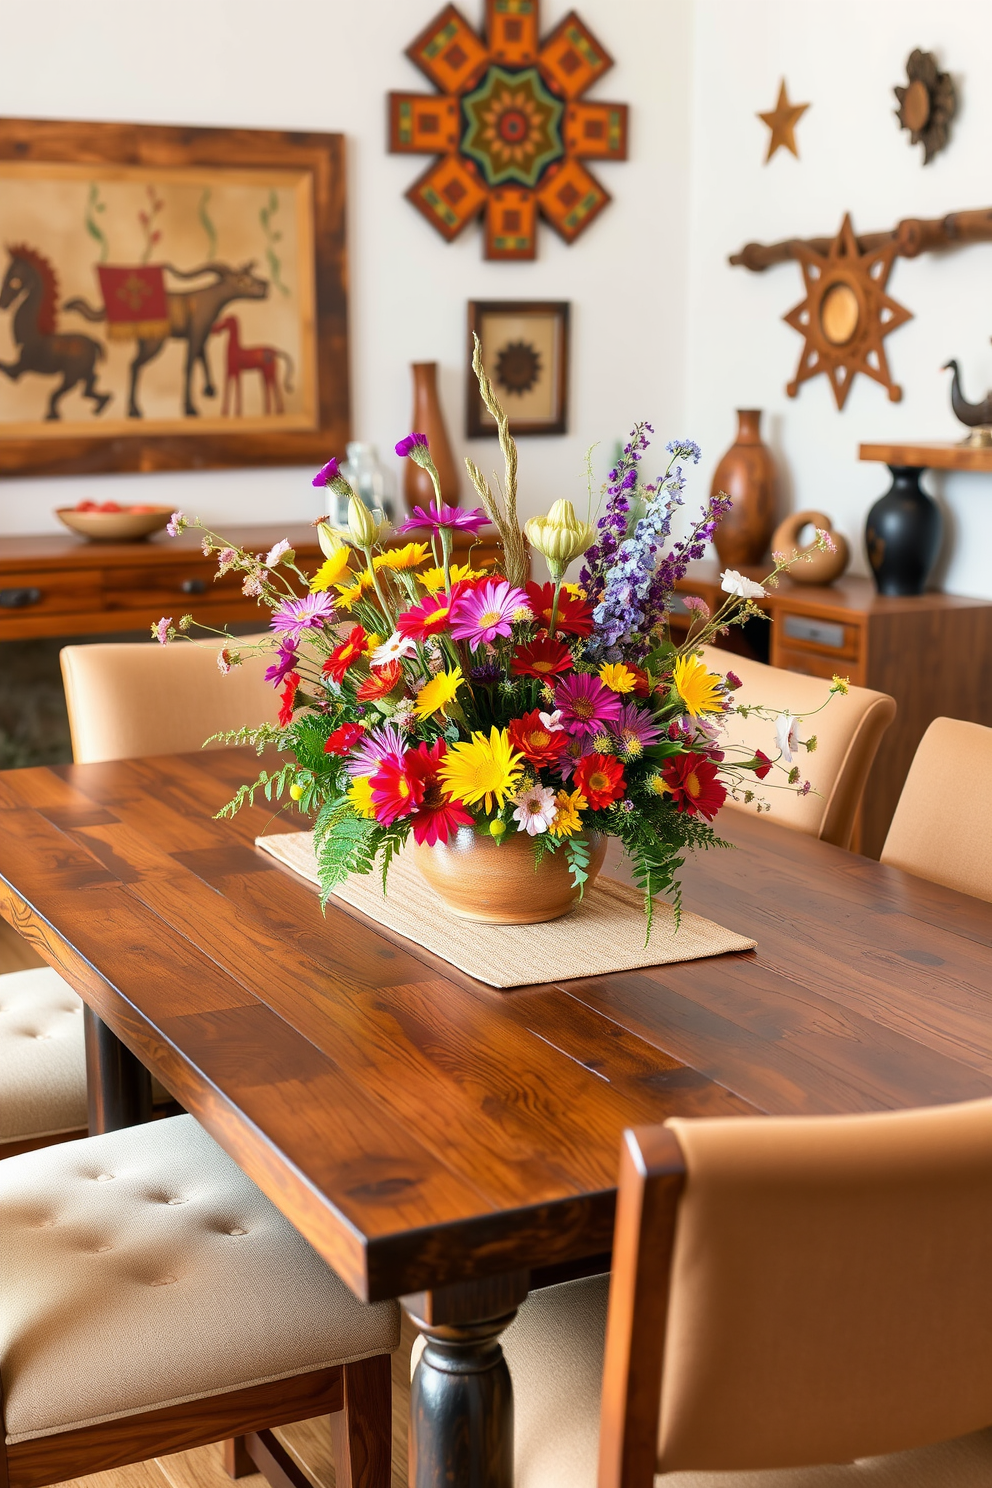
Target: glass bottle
x,y
369,479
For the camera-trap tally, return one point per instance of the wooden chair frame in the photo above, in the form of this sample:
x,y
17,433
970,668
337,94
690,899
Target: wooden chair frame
x,y
357,1397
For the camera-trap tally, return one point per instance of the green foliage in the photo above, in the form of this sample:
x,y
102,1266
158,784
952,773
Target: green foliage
x,y
577,853
656,850
344,843
259,738
270,784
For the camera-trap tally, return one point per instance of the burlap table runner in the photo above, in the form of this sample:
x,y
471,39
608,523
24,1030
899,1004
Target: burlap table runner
x,y
604,933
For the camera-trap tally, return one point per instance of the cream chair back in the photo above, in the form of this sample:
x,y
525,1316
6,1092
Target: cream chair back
x,y
942,828
848,733
828,1292
128,700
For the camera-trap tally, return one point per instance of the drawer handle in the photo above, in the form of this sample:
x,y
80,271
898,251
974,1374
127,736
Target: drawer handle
x,y
820,632
193,586
19,599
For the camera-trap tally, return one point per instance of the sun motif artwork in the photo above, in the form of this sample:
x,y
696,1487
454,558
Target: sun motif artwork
x,y
509,126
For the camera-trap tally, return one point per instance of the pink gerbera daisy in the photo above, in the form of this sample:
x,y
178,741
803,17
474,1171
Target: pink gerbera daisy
x,y
488,611
294,616
444,515
379,745
586,704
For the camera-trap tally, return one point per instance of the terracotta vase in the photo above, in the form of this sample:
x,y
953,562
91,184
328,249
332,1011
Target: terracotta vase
x,y
418,489
819,567
496,882
747,474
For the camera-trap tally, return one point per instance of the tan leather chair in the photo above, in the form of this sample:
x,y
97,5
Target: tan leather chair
x,y
942,828
848,733
786,1293
152,1299
126,701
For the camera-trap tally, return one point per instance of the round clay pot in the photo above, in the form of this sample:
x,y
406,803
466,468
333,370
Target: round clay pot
x,y
477,878
819,567
747,474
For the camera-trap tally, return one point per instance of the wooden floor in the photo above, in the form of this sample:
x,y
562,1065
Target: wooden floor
x,y
309,1442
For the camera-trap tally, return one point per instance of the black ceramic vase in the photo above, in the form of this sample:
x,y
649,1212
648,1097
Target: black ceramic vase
x,y
903,534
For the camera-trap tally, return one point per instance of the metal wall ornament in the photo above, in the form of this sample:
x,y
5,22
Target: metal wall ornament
x,y
509,126
927,104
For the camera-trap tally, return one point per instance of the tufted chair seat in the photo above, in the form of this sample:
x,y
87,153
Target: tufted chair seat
x,y
42,1060
142,1270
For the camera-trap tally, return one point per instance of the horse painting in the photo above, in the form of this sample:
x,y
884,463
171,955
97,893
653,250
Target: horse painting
x,y
31,279
264,359
191,314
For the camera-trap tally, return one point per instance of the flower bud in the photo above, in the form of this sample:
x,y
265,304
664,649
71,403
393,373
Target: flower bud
x,y
497,828
362,523
330,539
560,536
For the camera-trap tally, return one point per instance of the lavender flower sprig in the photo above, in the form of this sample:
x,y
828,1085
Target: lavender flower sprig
x,y
612,525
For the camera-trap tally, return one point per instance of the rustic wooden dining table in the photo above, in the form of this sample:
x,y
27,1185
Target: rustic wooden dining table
x,y
435,1139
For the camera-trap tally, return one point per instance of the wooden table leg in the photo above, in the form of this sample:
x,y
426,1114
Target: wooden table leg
x,y
118,1087
461,1398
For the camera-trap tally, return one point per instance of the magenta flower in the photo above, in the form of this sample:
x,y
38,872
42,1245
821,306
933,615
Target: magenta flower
x,y
586,704
285,663
294,616
444,515
410,443
161,630
176,524
385,745
635,730
577,748
326,473
487,612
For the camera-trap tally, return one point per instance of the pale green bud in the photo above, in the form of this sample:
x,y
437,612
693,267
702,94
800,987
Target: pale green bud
x,y
330,539
560,536
362,523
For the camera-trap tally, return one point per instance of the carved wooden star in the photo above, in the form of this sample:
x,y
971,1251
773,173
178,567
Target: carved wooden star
x,y
782,121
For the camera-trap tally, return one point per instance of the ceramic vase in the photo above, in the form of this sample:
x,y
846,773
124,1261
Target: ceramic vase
x,y
818,567
477,878
903,534
747,474
418,489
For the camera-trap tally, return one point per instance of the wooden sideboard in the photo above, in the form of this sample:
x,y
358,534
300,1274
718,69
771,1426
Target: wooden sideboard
x,y
932,653
62,586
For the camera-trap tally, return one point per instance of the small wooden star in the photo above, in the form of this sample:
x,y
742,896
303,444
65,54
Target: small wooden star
x,y
782,121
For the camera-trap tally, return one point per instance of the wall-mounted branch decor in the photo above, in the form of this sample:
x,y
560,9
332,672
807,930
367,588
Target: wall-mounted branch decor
x,y
846,312
927,104
782,121
509,126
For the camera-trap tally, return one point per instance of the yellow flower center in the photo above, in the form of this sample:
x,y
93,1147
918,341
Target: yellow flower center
x,y
489,617
402,787
487,775
692,783
582,708
599,781
543,667
631,743
439,614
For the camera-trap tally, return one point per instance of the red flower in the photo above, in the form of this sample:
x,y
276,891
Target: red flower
x,y
642,685
344,738
761,764
600,779
574,615
382,680
426,618
396,789
288,699
438,814
345,655
692,780
540,745
543,659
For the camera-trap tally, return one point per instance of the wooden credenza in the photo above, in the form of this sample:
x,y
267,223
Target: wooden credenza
x,y
932,653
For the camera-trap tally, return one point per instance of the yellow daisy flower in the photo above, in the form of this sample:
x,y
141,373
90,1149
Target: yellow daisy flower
x,y
568,819
360,796
349,593
372,643
331,571
697,686
436,694
482,769
409,557
617,677
433,578
659,785
575,590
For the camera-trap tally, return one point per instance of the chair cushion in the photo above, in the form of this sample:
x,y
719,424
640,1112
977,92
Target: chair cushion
x,y
142,1269
42,1061
555,1352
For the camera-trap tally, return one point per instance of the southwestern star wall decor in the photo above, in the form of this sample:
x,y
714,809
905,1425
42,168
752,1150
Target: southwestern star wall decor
x,y
509,125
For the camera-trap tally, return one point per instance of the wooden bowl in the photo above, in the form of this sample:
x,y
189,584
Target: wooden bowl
x,y
122,526
479,879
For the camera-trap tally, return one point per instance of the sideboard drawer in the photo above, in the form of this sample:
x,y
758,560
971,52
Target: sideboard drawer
x,y
52,592
827,638
815,664
172,584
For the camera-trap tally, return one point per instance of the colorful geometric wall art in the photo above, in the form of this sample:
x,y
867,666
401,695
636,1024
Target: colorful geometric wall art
x,y
509,127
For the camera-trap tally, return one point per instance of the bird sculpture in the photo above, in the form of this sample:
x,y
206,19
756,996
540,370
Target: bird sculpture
x,y
976,416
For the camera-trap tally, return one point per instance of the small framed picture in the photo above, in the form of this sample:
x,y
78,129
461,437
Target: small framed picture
x,y
525,352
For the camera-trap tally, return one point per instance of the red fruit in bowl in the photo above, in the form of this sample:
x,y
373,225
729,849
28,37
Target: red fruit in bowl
x,y
86,506
140,510
110,506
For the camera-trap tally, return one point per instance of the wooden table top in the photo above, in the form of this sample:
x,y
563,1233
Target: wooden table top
x,y
422,1128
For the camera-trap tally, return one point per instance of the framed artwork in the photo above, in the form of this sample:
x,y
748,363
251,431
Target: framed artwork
x,y
170,298
525,352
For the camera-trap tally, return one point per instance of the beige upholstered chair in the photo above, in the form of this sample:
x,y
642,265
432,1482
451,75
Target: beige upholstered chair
x,y
42,1064
848,733
125,701
942,828
786,1293
152,1299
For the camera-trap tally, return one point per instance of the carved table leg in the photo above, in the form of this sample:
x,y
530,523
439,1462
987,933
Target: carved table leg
x,y
461,1399
118,1087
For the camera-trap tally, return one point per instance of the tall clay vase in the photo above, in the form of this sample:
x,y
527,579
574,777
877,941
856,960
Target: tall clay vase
x,y
903,534
418,489
747,474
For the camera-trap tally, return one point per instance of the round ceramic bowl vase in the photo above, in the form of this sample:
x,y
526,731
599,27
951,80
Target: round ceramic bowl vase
x,y
477,878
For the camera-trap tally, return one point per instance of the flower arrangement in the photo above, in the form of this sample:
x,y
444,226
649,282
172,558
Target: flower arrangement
x,y
420,696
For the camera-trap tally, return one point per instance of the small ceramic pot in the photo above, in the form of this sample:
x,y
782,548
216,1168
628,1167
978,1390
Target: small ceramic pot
x,y
820,567
496,882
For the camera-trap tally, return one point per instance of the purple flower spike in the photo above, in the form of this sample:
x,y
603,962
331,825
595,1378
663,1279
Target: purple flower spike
x,y
326,473
445,516
410,443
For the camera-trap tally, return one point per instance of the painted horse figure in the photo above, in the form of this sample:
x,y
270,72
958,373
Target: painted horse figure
x,y
31,278
264,359
192,312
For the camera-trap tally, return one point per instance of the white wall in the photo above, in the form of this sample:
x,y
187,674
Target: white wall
x,y
327,65
843,57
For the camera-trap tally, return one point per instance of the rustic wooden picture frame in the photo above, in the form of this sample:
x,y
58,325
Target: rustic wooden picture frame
x,y
551,321
317,157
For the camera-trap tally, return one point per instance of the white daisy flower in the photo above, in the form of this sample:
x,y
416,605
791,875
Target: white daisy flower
x,y
536,809
552,721
397,648
787,735
733,582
